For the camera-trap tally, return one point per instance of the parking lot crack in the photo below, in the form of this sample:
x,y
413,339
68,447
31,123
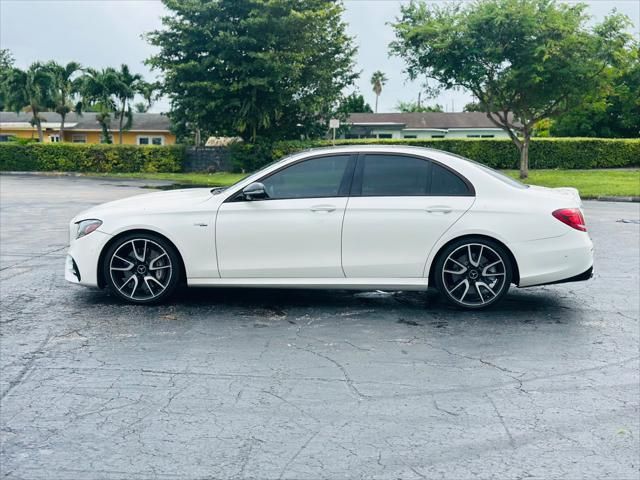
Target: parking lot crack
x,y
347,378
297,453
32,357
502,422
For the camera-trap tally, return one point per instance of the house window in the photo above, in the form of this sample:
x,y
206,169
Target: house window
x,y
437,136
54,138
473,136
487,136
385,135
78,138
410,136
150,140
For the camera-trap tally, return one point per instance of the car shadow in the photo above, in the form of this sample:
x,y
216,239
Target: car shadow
x,y
527,306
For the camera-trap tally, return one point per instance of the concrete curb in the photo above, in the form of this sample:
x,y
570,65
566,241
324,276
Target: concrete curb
x,y
602,198
616,199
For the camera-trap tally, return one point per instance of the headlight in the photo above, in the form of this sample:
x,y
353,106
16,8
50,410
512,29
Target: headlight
x,y
85,227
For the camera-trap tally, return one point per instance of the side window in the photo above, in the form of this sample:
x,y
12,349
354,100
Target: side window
x,y
318,177
446,183
395,175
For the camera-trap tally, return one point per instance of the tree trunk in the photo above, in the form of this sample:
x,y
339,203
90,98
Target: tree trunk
x,y
524,156
120,129
62,128
377,102
39,127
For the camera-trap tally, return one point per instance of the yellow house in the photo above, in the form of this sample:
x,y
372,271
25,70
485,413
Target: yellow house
x,y
146,129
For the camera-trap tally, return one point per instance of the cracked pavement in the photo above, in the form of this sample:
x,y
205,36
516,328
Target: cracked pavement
x,y
284,384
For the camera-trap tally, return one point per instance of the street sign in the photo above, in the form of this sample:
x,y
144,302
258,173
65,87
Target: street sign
x,y
334,123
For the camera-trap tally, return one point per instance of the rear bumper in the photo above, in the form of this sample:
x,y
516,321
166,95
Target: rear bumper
x,y
554,260
581,277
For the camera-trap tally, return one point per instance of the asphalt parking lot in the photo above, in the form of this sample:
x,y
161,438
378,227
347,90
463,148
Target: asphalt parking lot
x,y
270,384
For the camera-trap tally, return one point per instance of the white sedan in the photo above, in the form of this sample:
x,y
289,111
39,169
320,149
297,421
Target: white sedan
x,y
356,217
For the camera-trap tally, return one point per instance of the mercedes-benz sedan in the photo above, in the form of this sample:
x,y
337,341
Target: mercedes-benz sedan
x,y
356,217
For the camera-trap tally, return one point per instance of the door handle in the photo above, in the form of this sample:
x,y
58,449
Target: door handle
x,y
323,208
439,209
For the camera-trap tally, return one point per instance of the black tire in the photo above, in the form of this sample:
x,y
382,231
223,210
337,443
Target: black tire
x,y
151,259
473,273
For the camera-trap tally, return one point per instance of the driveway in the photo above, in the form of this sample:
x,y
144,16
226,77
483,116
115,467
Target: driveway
x,y
233,383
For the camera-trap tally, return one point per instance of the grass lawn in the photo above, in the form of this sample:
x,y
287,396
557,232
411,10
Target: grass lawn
x,y
220,179
590,183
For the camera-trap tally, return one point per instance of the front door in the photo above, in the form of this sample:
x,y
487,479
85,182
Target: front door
x,y
296,231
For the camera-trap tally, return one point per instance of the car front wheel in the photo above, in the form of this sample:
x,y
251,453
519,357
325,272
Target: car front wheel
x,y
142,268
473,273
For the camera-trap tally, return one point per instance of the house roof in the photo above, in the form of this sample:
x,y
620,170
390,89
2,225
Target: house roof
x,y
87,121
423,120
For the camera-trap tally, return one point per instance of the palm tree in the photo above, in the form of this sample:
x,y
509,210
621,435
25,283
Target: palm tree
x,y
378,79
66,87
150,92
97,89
126,87
31,90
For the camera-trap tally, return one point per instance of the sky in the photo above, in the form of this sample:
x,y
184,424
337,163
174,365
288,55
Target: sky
x,y
101,33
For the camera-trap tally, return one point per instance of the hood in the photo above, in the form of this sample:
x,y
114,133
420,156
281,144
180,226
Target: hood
x,y
172,200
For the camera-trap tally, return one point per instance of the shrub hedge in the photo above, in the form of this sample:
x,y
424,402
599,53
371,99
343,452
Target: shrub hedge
x,y
73,157
563,153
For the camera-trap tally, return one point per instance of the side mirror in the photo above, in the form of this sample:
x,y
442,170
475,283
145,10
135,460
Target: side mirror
x,y
254,191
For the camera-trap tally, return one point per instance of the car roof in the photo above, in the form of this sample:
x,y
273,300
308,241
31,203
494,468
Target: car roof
x,y
377,148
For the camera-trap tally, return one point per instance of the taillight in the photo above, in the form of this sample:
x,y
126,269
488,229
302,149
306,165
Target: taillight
x,y
572,217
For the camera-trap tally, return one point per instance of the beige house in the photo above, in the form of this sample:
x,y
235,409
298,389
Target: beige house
x,y
422,125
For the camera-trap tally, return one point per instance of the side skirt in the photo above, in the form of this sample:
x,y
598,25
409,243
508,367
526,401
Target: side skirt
x,y
321,283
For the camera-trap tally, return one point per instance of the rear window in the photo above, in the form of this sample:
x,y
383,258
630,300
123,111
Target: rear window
x,y
494,173
446,183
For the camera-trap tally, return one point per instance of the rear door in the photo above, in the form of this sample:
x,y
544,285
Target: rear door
x,y
399,207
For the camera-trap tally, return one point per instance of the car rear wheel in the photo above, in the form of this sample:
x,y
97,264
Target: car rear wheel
x,y
473,273
142,268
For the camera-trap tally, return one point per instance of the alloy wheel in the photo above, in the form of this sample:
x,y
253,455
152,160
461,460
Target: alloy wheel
x,y
474,275
140,269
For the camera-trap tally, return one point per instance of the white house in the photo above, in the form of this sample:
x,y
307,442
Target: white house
x,y
422,125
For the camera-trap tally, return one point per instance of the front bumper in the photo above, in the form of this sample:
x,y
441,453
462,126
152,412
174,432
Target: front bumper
x,y
83,257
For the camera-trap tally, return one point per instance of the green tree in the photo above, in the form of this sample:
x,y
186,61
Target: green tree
x,y
31,90
150,93
524,60
141,107
410,107
474,107
98,88
271,68
354,103
6,64
66,86
378,80
612,111
125,87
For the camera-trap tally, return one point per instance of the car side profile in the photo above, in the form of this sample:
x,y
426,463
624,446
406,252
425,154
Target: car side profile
x,y
352,217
